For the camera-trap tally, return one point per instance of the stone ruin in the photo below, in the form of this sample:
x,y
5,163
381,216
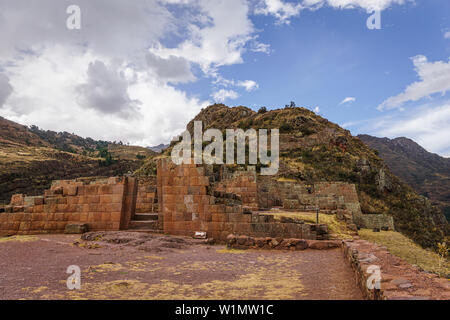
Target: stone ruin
x,y
185,199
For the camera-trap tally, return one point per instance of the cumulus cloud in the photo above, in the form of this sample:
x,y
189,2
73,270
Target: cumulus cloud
x,y
106,90
222,95
282,11
434,78
173,69
5,88
348,100
220,40
109,27
115,78
52,102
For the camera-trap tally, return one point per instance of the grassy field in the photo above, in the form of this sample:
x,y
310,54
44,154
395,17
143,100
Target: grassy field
x,y
406,249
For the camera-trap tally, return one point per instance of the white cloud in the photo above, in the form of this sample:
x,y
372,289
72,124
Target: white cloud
x,y
249,85
5,88
282,11
447,35
428,126
222,95
100,81
106,90
368,5
220,40
348,100
53,102
434,78
261,47
173,69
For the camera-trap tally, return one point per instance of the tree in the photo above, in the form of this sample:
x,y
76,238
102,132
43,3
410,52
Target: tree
x,y
262,110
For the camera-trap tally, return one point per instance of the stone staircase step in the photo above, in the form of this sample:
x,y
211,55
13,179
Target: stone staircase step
x,y
140,225
146,230
145,217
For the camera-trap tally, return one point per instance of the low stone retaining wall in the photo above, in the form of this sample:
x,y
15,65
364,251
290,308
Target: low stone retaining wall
x,y
398,280
370,221
245,242
104,204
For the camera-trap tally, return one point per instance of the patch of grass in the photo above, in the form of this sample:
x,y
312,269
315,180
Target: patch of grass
x,y
19,239
336,227
405,248
228,250
284,283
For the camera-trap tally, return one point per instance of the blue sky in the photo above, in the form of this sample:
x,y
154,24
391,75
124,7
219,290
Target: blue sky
x,y
139,72
324,56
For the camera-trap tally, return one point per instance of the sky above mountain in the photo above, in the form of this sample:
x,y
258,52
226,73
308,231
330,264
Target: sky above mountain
x,y
138,71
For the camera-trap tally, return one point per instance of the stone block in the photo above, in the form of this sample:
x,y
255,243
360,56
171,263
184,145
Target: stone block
x,y
76,228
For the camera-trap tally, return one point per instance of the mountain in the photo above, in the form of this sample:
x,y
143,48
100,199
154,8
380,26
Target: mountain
x,y
426,172
159,148
314,149
30,158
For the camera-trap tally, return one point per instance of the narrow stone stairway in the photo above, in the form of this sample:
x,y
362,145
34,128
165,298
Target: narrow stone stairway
x,y
144,222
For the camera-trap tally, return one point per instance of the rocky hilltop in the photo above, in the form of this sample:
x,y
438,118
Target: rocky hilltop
x,y
30,158
426,172
313,149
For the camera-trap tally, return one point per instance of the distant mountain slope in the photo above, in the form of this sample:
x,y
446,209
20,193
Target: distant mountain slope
x,y
30,158
12,133
159,148
314,149
426,172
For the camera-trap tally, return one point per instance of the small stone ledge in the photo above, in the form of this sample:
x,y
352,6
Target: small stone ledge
x,y
246,242
399,279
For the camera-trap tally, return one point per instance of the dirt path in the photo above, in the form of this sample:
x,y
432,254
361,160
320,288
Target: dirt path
x,y
167,268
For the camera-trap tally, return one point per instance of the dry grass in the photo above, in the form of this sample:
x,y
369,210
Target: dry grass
x,y
406,249
284,282
18,239
230,250
336,227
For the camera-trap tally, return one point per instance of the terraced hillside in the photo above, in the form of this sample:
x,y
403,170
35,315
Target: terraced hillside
x,y
31,158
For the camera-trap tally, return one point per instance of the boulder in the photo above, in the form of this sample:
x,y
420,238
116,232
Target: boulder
x,y
231,239
76,228
242,240
323,244
301,245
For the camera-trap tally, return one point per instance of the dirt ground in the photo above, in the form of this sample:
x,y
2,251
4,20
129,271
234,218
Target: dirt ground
x,y
125,265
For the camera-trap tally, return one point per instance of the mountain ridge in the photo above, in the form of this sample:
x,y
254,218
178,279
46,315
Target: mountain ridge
x,y
426,172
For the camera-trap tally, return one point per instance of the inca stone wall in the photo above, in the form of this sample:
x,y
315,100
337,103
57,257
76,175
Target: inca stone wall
x,y
241,183
147,198
328,197
190,203
101,204
379,221
188,199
